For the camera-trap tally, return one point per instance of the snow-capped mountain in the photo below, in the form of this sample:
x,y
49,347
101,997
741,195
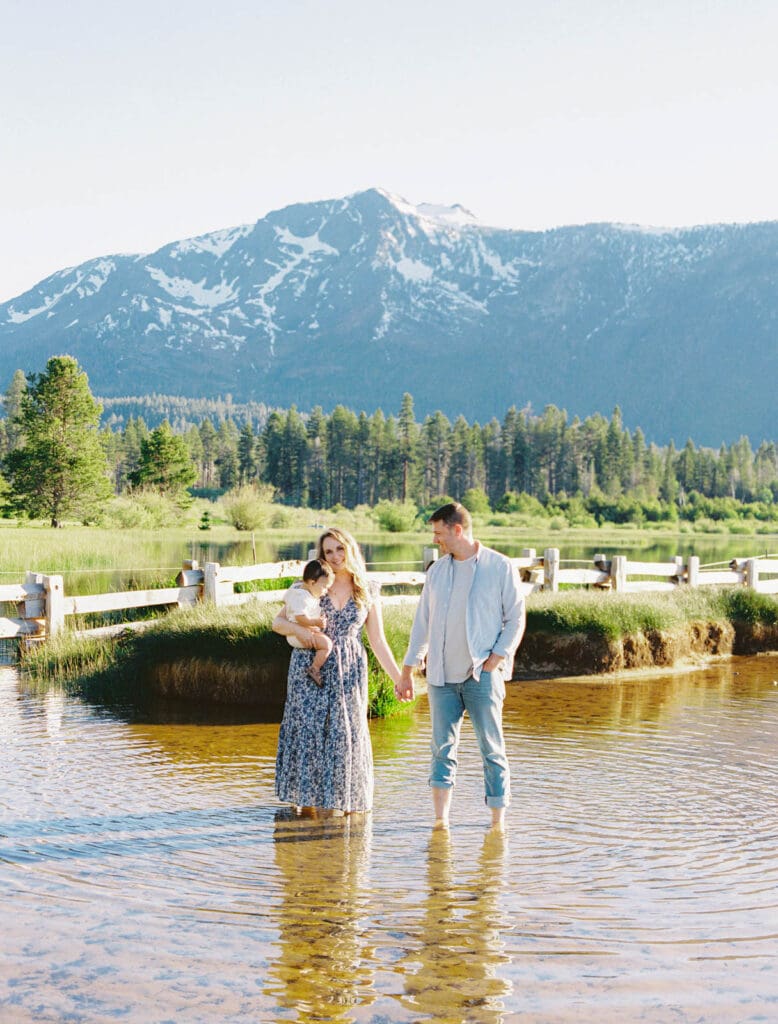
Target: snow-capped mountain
x,y
358,300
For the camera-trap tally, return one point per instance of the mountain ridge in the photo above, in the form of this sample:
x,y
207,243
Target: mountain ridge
x,y
360,299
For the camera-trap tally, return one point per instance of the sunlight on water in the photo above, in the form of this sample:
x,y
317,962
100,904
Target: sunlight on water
x,y
148,874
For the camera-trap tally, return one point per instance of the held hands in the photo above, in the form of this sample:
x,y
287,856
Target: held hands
x,y
403,688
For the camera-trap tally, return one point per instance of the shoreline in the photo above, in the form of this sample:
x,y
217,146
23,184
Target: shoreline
x,y
686,647
230,656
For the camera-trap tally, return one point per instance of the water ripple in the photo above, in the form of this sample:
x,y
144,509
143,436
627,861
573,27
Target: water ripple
x,y
640,871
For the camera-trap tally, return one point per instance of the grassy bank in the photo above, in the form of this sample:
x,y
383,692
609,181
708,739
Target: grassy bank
x,y
583,633
231,655
223,654
614,616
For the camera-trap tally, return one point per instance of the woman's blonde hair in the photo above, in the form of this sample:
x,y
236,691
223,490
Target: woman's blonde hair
x,y
355,563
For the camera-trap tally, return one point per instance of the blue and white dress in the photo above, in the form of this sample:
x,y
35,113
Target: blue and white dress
x,y
324,755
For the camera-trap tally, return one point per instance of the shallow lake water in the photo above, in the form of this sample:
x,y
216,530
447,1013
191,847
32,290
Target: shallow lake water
x,y
148,874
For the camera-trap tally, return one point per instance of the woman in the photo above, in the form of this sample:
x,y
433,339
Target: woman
x,y
325,761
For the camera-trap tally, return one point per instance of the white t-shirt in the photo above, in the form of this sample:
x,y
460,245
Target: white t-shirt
x,y
457,660
299,601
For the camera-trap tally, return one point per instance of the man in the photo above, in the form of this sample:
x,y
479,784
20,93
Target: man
x,y
470,618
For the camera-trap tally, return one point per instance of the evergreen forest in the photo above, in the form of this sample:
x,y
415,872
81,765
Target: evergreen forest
x,y
591,470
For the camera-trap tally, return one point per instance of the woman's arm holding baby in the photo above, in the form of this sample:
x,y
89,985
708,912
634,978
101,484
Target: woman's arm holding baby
x,y
285,627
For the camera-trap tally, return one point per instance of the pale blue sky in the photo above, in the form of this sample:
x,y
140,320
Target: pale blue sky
x,y
124,126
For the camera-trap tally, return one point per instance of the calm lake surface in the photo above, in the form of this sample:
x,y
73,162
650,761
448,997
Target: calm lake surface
x,y
164,558
147,873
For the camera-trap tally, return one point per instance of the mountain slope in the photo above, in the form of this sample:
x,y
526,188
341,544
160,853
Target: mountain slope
x,y
357,300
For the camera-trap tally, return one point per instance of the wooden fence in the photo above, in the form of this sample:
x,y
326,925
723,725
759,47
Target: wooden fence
x,y
42,605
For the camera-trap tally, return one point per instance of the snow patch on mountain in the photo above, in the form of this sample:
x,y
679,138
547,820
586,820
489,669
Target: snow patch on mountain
x,y
85,281
491,259
91,283
309,245
196,291
217,243
301,252
17,317
413,270
455,215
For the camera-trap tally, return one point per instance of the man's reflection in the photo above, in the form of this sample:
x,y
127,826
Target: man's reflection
x,y
320,969
460,937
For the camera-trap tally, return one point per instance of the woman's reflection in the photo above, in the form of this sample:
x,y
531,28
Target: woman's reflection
x,y
321,966
460,945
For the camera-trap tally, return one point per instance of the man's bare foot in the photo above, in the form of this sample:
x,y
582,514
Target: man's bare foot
x,y
498,819
440,824
315,675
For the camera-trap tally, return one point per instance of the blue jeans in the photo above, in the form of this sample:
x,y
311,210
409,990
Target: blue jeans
x,y
483,702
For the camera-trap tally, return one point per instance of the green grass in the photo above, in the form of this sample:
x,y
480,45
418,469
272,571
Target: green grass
x,y
748,606
616,615
109,669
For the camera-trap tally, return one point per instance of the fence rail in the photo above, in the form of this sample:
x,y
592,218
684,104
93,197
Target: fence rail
x,y
42,606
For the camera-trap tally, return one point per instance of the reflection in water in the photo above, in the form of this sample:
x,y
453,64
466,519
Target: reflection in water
x,y
460,938
641,878
323,967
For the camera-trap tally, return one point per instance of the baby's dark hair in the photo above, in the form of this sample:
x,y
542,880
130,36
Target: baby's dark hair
x,y
315,569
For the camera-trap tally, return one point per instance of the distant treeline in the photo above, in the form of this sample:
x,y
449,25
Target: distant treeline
x,y
181,413
592,469
349,458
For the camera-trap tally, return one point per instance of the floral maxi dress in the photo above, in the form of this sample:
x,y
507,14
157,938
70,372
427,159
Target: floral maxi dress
x,y
324,755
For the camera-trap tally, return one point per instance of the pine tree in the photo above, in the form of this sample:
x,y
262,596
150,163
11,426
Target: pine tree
x,y
247,454
12,402
408,435
209,442
59,470
227,454
165,463
317,459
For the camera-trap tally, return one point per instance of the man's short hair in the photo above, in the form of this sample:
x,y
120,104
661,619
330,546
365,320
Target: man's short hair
x,y
453,514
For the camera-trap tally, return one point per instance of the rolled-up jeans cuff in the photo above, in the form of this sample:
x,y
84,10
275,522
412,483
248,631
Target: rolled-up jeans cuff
x,y
497,801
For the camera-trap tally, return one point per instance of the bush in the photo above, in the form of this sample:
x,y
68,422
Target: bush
x,y
396,517
476,501
246,506
743,529
280,518
523,502
143,509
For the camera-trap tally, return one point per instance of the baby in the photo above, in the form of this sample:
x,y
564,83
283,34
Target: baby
x,y
301,605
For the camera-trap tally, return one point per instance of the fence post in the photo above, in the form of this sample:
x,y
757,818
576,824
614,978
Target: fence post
x,y
693,571
619,572
55,605
33,609
752,574
211,582
551,569
428,556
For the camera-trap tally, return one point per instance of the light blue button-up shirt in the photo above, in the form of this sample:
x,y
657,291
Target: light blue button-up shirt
x,y
495,617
